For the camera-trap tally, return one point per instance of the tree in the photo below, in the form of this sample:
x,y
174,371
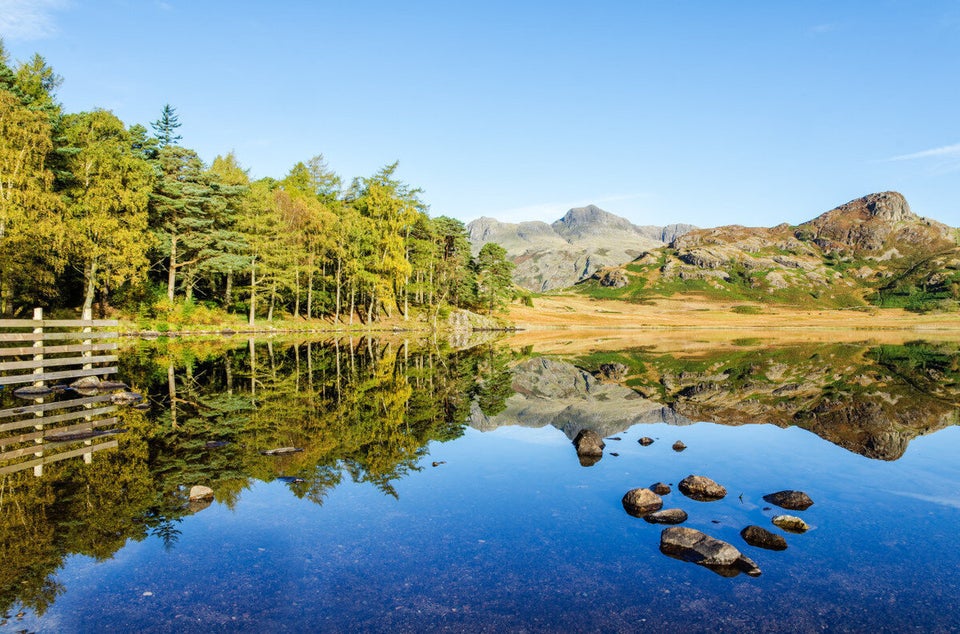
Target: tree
x,y
166,126
494,284
106,201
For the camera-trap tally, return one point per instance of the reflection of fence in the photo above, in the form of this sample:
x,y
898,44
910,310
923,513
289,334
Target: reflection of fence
x,y
37,357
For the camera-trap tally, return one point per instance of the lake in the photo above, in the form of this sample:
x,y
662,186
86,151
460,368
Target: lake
x,y
425,488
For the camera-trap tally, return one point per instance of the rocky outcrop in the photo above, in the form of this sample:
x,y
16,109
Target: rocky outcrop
x,y
691,545
586,239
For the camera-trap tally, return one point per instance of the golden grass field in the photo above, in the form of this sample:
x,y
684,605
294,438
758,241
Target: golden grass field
x,y
575,324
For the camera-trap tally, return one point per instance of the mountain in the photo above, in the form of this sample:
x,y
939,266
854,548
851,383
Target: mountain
x,y
872,249
557,255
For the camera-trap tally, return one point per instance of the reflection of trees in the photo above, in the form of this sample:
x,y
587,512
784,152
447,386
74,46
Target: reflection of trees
x,y
359,408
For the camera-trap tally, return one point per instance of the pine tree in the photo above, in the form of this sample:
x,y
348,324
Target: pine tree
x,y
166,126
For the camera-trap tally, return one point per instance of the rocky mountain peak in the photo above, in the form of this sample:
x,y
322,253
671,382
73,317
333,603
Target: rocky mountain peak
x,y
888,206
591,216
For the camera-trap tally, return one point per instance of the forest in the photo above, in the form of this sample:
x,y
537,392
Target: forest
x,y
98,214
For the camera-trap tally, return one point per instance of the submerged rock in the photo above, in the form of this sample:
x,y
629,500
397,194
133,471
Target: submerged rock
x,y
679,446
691,545
792,500
762,538
112,385
701,488
660,488
639,502
791,523
646,441
32,391
667,516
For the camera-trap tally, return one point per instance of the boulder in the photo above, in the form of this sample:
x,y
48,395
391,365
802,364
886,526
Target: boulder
x,y
667,516
612,371
691,545
762,538
791,523
612,278
199,492
639,502
646,441
86,383
679,446
660,488
701,488
792,500
588,443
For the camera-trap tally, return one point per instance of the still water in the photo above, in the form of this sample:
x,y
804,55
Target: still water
x,y
438,490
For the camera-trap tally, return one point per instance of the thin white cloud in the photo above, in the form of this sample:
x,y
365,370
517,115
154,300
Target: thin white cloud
x,y
29,19
937,152
823,28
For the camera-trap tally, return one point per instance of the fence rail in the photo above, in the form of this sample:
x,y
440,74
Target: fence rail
x,y
56,422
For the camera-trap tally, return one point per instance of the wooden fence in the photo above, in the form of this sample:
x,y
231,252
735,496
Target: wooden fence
x,y
38,359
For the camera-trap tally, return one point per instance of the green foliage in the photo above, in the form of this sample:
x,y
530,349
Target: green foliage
x,y
166,127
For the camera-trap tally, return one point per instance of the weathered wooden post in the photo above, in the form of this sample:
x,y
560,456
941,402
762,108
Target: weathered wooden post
x,y
86,353
38,357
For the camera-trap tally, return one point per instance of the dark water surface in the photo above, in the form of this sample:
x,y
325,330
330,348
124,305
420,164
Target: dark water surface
x,y
508,532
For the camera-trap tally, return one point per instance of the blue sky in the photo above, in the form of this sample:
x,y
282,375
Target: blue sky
x,y
705,112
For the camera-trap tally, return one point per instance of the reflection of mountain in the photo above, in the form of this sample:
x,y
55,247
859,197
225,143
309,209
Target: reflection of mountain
x,y
552,392
868,400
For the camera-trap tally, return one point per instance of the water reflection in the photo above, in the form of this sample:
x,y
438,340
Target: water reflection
x,y
365,411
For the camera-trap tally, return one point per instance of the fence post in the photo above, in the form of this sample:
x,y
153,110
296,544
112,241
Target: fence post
x,y
38,356
87,316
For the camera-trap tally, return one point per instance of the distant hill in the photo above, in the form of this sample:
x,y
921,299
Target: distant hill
x,y
557,255
871,250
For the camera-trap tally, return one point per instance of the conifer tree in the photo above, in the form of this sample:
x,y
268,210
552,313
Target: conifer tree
x,y
166,126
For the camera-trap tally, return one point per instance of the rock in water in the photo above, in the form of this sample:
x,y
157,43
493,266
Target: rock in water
x,y
701,488
32,391
588,443
667,516
639,502
762,538
791,523
660,488
281,451
125,398
199,492
691,545
646,441
792,500
679,446
86,383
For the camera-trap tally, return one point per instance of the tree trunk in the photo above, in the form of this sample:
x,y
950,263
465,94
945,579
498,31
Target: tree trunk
x,y
353,294
339,283
296,300
253,290
228,290
90,277
273,300
310,294
172,273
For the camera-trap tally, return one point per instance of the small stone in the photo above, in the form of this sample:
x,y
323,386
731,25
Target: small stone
x,y
646,441
639,502
701,488
792,500
613,453
791,523
762,538
200,492
660,488
679,446
667,516
148,594
86,383
615,438
439,462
